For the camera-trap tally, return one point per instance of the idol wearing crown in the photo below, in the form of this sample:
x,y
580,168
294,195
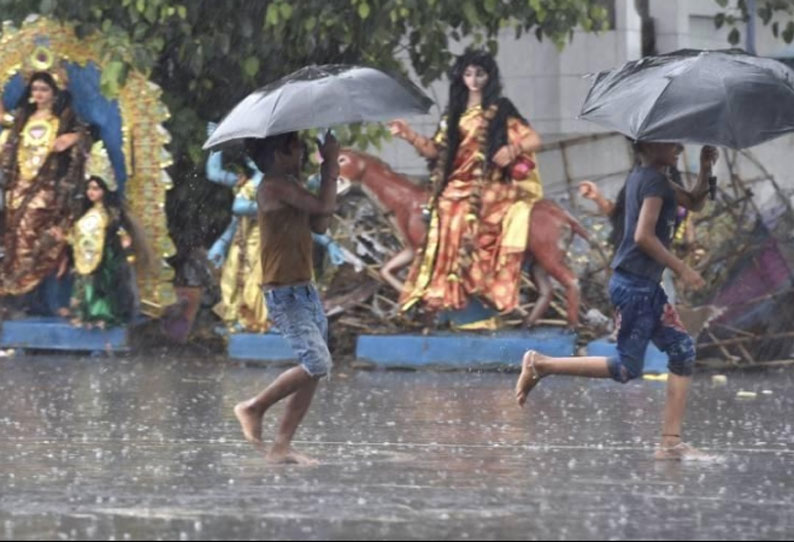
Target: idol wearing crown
x,y
106,246
42,163
51,92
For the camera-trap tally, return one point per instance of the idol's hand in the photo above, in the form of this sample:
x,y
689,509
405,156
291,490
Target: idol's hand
x,y
588,190
400,129
63,267
64,142
335,254
57,233
503,157
217,254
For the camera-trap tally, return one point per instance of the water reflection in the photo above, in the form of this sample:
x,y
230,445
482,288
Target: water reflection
x,y
147,448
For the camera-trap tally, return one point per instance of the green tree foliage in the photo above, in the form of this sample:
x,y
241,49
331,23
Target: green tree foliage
x,y
737,13
208,54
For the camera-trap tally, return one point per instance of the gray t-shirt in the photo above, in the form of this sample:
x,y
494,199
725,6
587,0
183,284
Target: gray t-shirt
x,y
645,182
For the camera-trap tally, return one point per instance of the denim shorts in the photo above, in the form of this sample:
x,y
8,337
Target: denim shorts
x,y
644,315
299,316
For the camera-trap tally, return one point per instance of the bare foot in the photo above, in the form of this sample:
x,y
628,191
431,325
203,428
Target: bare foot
x,y
290,457
250,421
685,452
529,376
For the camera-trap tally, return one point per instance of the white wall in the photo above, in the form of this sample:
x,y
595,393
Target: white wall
x,y
548,86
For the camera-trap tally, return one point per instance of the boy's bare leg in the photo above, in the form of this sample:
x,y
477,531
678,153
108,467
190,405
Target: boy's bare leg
x,y
249,413
297,406
535,366
672,447
674,408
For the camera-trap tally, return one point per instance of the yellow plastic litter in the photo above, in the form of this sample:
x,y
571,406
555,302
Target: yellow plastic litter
x,y
656,378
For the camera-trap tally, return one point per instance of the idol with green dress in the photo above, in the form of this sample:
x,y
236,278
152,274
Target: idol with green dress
x,y
106,247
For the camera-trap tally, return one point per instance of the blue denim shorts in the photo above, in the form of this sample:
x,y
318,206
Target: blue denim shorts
x,y
300,318
644,315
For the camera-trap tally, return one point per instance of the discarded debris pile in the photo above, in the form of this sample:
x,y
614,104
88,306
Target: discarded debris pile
x,y
357,299
360,301
746,256
741,244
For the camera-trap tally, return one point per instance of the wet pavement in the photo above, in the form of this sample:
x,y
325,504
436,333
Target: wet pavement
x,y
125,448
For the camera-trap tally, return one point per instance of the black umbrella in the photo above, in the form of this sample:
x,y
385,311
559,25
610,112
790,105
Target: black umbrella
x,y
321,97
725,98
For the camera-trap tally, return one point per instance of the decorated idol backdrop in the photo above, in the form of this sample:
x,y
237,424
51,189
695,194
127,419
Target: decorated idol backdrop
x,y
128,120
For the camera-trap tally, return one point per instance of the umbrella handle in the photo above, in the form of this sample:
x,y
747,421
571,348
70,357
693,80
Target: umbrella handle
x,y
324,135
713,187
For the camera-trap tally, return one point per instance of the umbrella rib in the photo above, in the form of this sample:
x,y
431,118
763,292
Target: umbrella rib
x,y
734,139
690,67
276,101
662,93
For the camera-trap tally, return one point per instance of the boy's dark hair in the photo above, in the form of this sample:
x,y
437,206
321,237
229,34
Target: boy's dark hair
x,y
262,150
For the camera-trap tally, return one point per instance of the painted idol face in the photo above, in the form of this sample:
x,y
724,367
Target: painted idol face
x,y
475,78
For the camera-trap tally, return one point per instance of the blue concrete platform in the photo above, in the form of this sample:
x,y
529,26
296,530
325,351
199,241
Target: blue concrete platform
x,y
259,346
474,311
655,359
58,334
462,350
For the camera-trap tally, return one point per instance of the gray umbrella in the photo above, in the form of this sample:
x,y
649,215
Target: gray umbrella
x,y
725,98
321,97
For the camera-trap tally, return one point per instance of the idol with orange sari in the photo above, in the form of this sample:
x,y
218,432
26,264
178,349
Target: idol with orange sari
x,y
486,180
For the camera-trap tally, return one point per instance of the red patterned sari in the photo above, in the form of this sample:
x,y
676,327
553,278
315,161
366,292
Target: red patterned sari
x,y
39,197
440,277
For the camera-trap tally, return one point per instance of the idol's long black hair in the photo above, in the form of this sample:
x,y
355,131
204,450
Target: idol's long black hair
x,y
62,99
492,94
121,218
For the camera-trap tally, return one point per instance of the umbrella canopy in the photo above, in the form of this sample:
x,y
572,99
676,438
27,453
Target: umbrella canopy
x,y
321,97
724,98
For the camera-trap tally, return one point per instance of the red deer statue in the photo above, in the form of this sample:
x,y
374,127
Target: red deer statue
x,y
402,200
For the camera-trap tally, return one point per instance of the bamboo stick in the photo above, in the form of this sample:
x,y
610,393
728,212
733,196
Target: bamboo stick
x,y
725,352
742,340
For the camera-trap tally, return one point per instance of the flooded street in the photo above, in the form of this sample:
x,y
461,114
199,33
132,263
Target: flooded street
x,y
127,448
